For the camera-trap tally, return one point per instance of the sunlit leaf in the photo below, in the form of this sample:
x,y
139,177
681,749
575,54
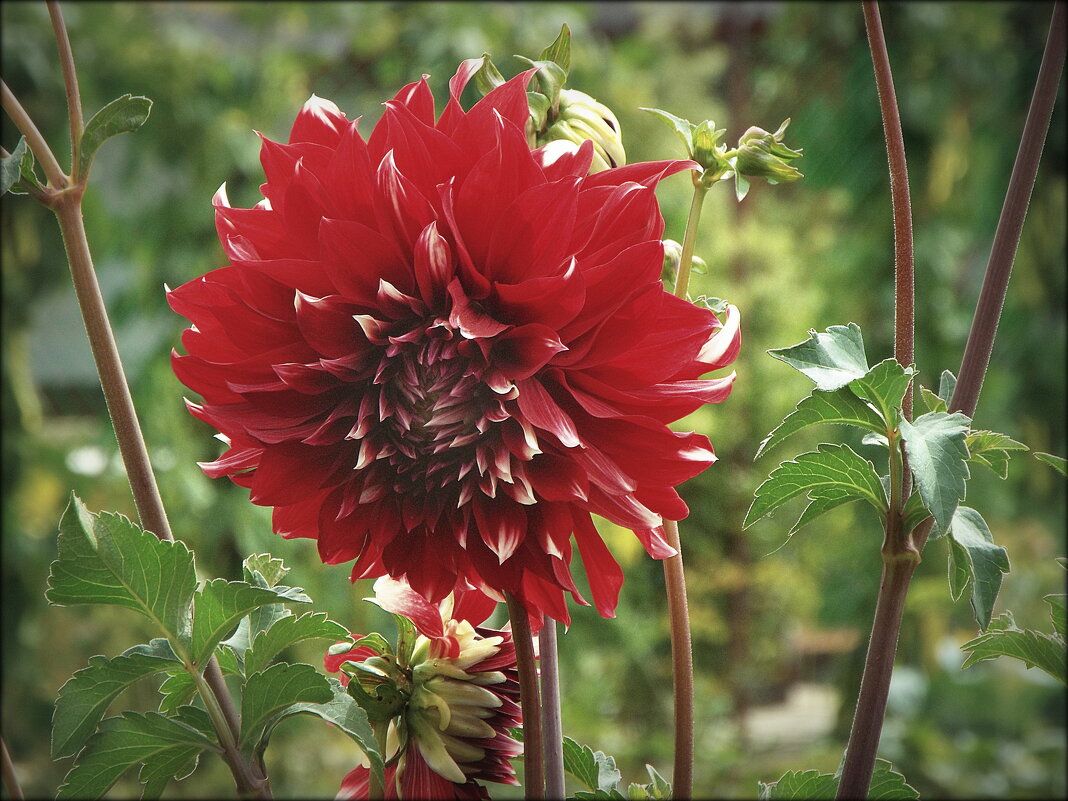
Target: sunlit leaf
x,y
1033,648
973,551
938,458
287,631
1058,463
594,769
831,359
839,406
272,690
884,386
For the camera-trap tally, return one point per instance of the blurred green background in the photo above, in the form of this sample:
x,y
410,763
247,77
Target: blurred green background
x,y
778,637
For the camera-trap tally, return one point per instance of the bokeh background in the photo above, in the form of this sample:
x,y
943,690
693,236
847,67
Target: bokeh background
x,y
779,633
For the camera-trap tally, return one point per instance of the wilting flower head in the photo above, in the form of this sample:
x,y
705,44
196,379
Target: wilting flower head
x,y
438,352
459,694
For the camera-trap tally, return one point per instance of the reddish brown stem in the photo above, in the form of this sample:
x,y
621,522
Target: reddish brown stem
x,y
682,665
529,697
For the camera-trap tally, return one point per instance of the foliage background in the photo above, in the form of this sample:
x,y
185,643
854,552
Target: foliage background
x,y
779,637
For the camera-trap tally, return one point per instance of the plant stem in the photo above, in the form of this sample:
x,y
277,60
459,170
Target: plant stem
x,y
904,289
533,750
376,790
682,281
11,779
552,728
54,174
682,665
70,81
248,783
1007,237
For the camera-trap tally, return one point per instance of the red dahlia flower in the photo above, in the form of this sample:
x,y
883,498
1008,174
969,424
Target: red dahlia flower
x,y
437,351
460,688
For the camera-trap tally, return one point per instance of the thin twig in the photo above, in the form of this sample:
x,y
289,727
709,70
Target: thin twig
x,y
11,779
551,724
37,144
533,748
70,81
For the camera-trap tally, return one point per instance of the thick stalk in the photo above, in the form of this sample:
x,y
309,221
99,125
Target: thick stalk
x,y
551,724
682,665
11,779
1010,224
248,784
533,748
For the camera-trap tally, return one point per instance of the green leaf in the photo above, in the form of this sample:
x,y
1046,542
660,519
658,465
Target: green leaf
x,y
122,115
992,450
831,359
106,559
287,631
796,784
600,795
1058,463
831,475
741,186
221,604
1057,612
1033,648
938,458
932,401
884,386
271,569
594,769
973,551
342,711
914,513
659,788
177,689
488,77
86,696
159,742
17,166
840,406
559,51
272,690
947,383
889,785
683,128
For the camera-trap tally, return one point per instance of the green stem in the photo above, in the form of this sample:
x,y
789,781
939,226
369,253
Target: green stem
x,y
533,749
376,790
11,779
552,727
682,282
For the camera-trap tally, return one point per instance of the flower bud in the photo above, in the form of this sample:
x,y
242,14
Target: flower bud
x,y
580,117
763,155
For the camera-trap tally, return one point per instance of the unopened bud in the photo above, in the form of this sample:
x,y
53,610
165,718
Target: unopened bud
x,y
763,155
580,117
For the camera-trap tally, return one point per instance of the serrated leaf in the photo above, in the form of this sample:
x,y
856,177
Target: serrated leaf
x,y
992,450
938,458
596,770
932,401
832,474
123,742
559,51
683,128
177,690
286,631
982,559
11,167
85,697
796,784
196,718
270,568
1058,463
1057,612
884,386
840,406
914,513
122,115
831,359
220,605
658,787
1033,648
889,785
107,559
272,690
342,711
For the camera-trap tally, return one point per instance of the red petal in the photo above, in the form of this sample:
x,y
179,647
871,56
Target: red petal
x,y
541,410
602,571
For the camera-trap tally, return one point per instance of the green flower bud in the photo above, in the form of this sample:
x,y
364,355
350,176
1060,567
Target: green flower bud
x,y
763,155
579,118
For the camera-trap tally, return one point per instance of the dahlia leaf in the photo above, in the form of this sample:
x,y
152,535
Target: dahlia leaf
x,y
975,559
271,569
914,513
1058,463
287,631
177,690
86,696
18,166
938,457
106,559
884,386
1058,612
221,604
992,450
342,711
559,51
270,691
932,401
840,406
684,128
886,785
832,359
829,476
162,744
123,115
947,383
594,769
1033,648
